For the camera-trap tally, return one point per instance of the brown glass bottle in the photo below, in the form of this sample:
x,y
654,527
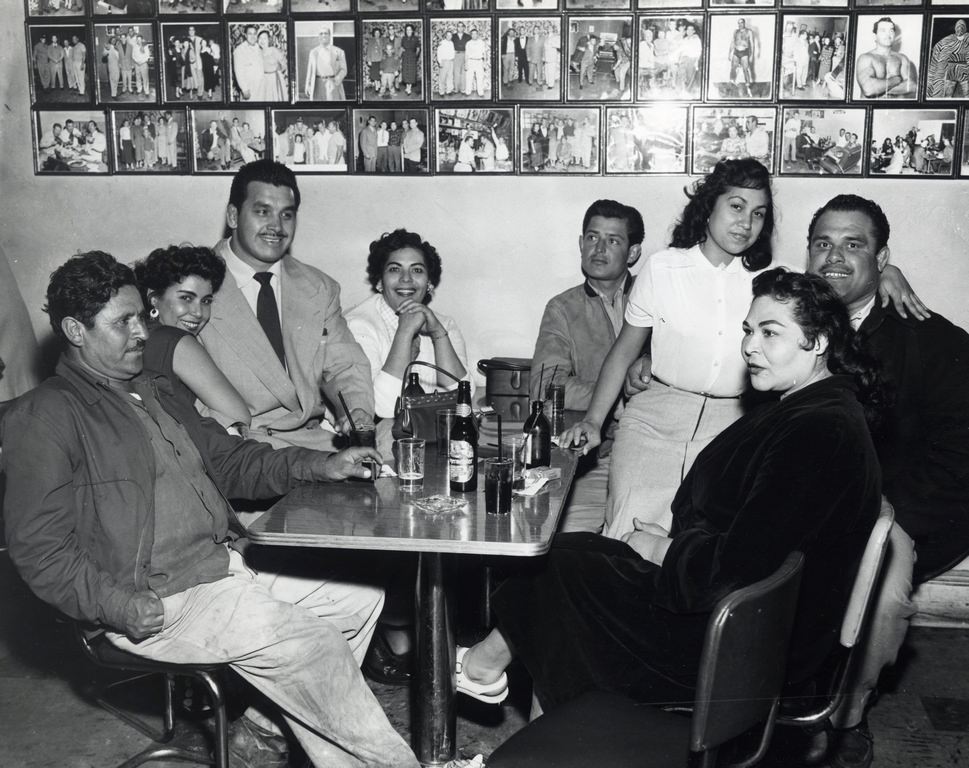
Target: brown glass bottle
x,y
538,438
413,385
463,444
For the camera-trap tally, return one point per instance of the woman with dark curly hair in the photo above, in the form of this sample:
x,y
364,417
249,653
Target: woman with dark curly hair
x,y
177,285
797,473
396,326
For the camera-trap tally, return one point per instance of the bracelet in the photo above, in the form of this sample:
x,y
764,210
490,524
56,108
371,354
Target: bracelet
x,y
439,336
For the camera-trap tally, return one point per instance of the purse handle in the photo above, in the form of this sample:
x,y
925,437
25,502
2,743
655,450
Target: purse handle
x,y
403,381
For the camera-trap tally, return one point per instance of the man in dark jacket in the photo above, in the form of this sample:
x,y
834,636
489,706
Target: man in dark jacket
x,y
922,443
116,514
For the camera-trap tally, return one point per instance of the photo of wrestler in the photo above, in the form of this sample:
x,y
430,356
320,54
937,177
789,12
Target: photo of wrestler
x,y
70,141
191,55
311,140
818,141
669,57
125,64
813,57
259,61
599,58
326,60
224,140
529,58
559,140
947,70
392,59
58,58
390,141
474,140
646,139
730,133
741,51
153,140
912,142
887,51
460,54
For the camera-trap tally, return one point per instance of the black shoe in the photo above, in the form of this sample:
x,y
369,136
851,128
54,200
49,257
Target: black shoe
x,y
853,747
382,665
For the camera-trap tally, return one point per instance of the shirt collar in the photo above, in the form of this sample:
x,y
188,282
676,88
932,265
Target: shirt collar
x,y
859,317
386,314
592,292
241,272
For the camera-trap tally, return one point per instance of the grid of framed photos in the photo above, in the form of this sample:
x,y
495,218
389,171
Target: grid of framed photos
x,y
387,87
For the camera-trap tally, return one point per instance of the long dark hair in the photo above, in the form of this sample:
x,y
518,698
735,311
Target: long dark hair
x,y
819,311
691,229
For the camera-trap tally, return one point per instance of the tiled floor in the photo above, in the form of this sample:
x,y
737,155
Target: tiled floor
x,y
921,720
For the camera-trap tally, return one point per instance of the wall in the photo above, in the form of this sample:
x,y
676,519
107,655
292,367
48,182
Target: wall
x,y
508,244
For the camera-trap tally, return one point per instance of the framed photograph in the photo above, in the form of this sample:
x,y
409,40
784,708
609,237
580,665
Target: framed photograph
x,y
311,140
729,133
669,64
820,140
59,60
597,5
390,141
224,140
534,5
741,56
150,140
947,70
259,54
887,51
652,5
192,62
70,141
326,60
125,63
55,8
646,139
880,3
964,168
389,6
731,3
392,59
319,6
461,58
947,2
236,7
188,6
814,3
475,140
459,5
535,76
138,9
912,142
600,50
813,57
559,140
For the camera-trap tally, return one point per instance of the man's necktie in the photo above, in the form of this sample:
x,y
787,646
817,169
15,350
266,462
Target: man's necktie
x,y
267,312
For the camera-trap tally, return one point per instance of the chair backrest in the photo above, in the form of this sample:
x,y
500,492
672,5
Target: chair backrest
x,y
744,659
870,567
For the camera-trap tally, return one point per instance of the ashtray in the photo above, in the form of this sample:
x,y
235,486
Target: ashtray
x,y
440,505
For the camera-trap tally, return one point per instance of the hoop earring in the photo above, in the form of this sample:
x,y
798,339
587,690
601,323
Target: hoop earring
x,y
153,314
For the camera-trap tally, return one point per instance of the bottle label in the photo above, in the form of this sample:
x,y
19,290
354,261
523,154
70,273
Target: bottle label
x,y
462,409
460,461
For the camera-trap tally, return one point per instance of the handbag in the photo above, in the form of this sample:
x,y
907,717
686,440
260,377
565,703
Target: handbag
x,y
415,415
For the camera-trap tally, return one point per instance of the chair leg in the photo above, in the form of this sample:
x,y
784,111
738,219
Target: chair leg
x,y
160,736
217,700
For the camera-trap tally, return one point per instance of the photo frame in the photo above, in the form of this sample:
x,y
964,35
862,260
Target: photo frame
x,y
322,145
823,140
887,54
70,141
392,59
669,57
880,3
646,140
600,58
319,6
259,57
729,133
224,140
164,142
741,50
474,140
138,9
947,66
407,149
964,167
534,5
55,9
559,140
58,59
655,5
521,78
192,62
457,5
183,7
241,7
812,57
730,3
327,60
597,5
125,63
460,53
922,139
814,3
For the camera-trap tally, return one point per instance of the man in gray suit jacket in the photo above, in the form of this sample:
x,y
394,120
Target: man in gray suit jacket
x,y
284,386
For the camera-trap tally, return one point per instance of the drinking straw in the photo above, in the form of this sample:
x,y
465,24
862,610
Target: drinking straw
x,y
498,415
552,377
346,410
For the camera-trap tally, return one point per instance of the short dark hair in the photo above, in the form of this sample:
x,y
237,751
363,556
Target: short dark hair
x,y
81,287
389,242
856,204
874,27
165,267
265,171
819,311
691,229
611,209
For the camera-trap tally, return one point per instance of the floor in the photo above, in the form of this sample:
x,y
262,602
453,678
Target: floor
x,y
922,719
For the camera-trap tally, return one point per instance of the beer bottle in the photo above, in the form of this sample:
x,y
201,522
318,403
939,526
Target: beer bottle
x,y
463,444
538,438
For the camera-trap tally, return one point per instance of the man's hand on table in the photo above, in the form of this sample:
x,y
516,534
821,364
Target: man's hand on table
x,y
350,463
582,436
144,615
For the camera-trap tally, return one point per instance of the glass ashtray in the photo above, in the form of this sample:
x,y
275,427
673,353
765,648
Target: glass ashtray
x,y
440,505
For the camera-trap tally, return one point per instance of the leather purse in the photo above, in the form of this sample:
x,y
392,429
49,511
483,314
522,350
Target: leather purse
x,y
416,415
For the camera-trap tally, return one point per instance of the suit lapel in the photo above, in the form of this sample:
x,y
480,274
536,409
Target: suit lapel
x,y
303,322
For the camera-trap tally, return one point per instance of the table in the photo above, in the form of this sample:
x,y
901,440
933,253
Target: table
x,y
379,516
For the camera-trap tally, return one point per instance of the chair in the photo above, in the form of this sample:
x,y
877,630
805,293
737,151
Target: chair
x,y
741,673
99,650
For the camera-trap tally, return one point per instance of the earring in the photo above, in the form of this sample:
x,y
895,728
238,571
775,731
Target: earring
x,y
380,287
153,314
430,290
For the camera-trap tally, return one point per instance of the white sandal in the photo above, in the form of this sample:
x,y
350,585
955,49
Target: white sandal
x,y
489,693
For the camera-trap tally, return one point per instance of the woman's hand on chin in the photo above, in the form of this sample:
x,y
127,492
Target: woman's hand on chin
x,y
411,318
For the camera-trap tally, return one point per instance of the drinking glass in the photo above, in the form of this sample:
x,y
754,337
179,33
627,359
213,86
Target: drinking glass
x,y
410,463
